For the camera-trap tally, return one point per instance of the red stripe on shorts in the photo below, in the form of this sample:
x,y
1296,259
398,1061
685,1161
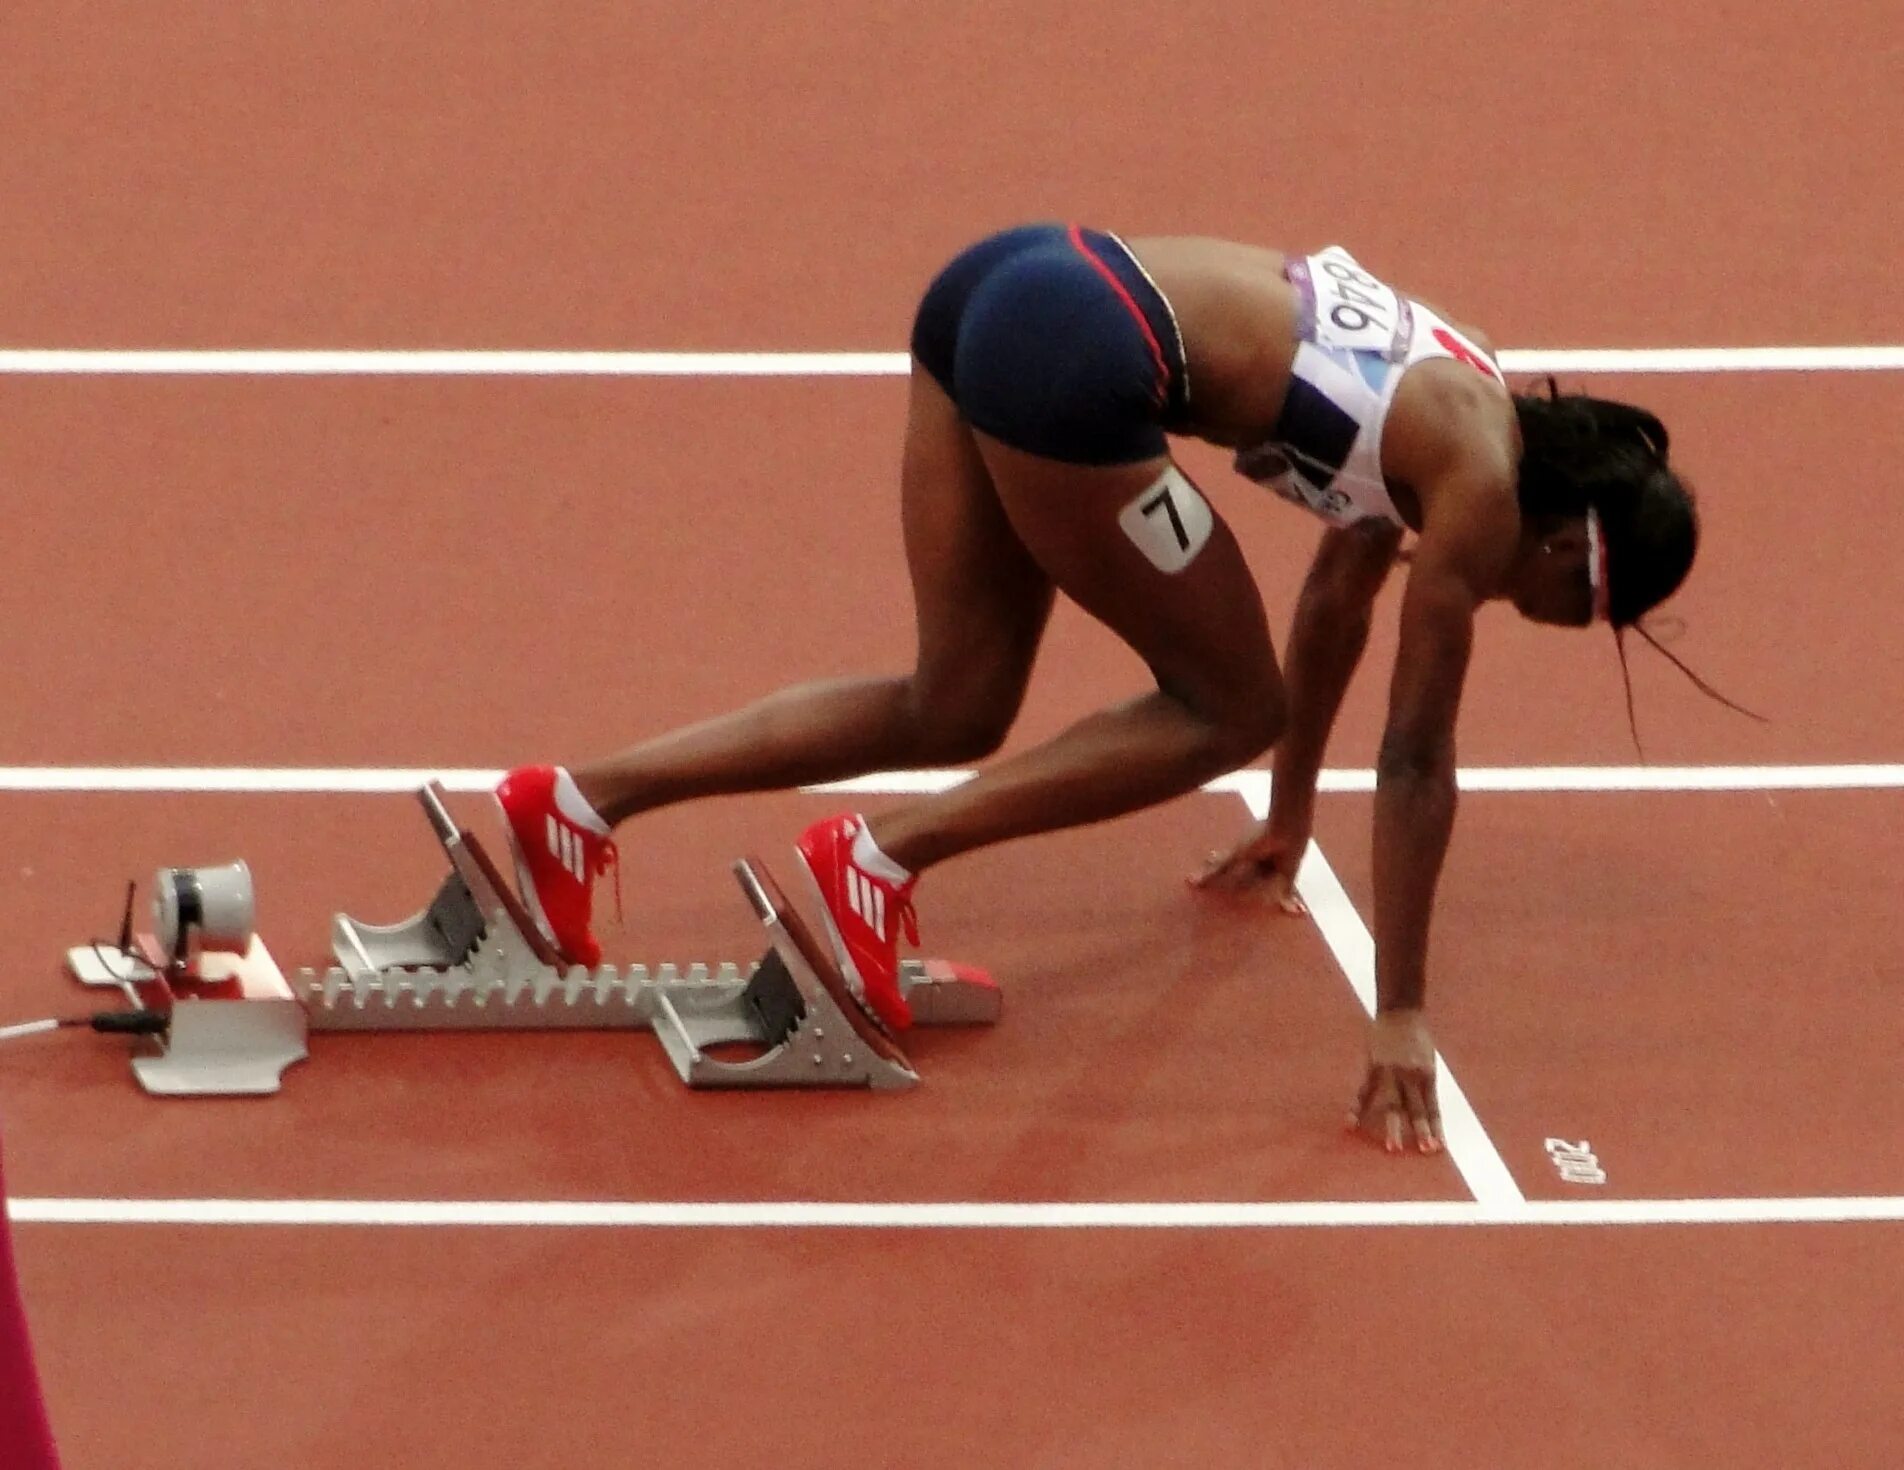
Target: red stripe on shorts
x,y
1130,305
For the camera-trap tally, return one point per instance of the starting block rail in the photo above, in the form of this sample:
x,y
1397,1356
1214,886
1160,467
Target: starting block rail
x,y
473,960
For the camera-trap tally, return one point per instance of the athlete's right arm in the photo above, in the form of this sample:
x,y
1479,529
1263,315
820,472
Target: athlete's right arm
x,y
1325,644
1326,640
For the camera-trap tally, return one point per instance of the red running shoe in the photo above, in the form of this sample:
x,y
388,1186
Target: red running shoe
x,y
561,847
861,909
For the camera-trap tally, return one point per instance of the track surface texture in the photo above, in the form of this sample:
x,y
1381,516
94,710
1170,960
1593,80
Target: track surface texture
x,y
1123,1228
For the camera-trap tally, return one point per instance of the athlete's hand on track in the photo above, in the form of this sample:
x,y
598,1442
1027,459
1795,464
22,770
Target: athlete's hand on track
x,y
1397,1099
1265,862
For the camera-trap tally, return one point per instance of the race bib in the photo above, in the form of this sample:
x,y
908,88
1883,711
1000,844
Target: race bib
x,y
1351,308
1169,522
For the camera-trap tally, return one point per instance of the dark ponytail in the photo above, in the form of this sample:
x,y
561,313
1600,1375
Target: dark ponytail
x,y
1580,453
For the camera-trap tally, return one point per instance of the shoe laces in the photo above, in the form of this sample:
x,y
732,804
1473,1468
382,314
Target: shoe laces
x,y
908,920
610,857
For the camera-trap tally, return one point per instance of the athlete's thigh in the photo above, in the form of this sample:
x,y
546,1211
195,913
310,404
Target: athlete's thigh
x,y
1139,548
981,600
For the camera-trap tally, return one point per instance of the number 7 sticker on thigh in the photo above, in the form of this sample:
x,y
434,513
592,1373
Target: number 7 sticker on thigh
x,y
1168,521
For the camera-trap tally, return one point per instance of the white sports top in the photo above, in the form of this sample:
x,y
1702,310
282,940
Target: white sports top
x,y
1357,338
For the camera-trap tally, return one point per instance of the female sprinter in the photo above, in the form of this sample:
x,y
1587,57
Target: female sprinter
x,y
1049,362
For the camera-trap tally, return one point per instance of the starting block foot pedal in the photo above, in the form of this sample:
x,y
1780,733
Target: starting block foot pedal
x,y
815,1031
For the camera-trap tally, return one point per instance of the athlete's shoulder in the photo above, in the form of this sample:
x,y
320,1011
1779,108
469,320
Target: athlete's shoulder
x,y
1446,417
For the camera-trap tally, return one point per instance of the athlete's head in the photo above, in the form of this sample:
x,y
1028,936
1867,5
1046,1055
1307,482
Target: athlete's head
x,y
1609,530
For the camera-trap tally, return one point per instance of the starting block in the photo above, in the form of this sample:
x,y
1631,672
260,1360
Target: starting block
x,y
474,960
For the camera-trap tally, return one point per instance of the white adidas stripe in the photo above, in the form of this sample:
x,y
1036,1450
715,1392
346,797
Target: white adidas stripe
x,y
565,846
866,899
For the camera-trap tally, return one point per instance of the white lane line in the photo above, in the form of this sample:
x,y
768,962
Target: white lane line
x,y
250,780
1705,360
432,362
1473,1152
377,780
1651,778
956,1215
1482,1167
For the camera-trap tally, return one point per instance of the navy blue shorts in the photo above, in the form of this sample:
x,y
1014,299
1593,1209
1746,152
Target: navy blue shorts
x,y
1049,338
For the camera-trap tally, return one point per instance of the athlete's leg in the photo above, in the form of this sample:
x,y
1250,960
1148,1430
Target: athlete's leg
x,y
1201,629
980,602
1066,383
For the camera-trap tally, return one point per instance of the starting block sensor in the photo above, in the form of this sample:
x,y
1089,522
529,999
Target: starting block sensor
x,y
473,960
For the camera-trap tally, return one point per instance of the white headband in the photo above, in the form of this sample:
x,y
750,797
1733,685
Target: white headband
x,y
1596,567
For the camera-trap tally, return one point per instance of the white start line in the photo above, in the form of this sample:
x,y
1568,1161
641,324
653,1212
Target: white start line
x,y
432,362
958,1214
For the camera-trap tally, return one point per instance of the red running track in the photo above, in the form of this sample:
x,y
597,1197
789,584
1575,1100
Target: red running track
x,y
1698,984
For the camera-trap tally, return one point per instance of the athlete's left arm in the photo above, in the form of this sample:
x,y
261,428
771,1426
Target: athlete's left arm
x,y
1471,527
